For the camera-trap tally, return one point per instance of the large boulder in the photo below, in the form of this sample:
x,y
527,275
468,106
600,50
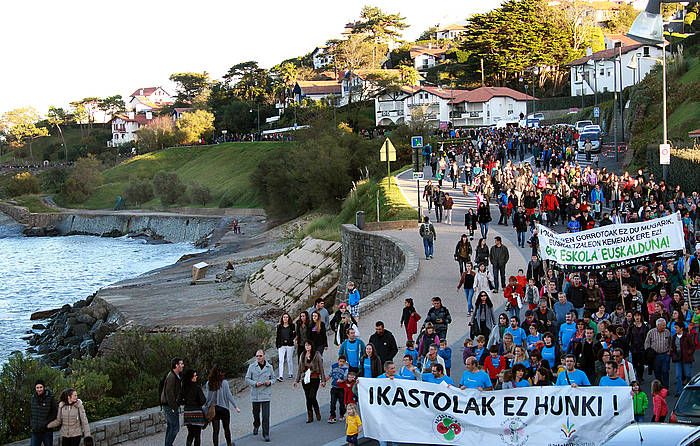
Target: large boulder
x,y
80,329
88,348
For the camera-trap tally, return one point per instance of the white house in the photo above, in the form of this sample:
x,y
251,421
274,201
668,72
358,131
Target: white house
x,y
148,99
425,57
361,85
450,32
178,111
124,127
443,107
321,57
485,106
597,71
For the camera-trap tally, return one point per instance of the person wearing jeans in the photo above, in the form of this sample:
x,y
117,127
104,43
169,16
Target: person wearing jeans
x,y
427,232
682,352
170,400
260,377
499,256
311,374
467,280
659,340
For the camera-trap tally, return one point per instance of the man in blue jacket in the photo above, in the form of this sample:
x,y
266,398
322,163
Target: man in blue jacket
x,y
352,348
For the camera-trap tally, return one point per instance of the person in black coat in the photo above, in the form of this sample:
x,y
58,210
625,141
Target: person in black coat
x,y
470,221
317,333
384,342
463,252
193,399
43,411
370,363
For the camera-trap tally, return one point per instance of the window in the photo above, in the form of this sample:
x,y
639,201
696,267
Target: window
x,y
602,71
609,72
646,51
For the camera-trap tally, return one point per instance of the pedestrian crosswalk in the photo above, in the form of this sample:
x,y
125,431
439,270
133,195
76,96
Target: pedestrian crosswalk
x,y
582,161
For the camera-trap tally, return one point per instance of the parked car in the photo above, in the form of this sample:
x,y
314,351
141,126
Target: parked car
x,y
581,124
687,409
593,137
592,128
654,434
539,116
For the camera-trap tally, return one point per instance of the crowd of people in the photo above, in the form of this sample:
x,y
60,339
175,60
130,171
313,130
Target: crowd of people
x,y
616,328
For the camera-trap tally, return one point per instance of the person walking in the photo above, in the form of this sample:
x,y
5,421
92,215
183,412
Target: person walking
x,y
409,318
284,341
311,374
470,222
482,253
439,316
71,418
301,328
449,204
428,194
352,348
218,393
484,319
194,400
659,340
317,333
170,400
353,299
43,411
353,425
438,202
499,259
682,356
427,233
483,216
520,223
384,341
467,280
463,252
659,395
260,376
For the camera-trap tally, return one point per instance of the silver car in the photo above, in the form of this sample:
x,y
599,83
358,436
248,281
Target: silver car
x,y
654,434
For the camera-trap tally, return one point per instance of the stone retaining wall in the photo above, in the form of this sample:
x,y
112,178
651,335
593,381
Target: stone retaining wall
x,y
381,266
122,429
22,215
389,225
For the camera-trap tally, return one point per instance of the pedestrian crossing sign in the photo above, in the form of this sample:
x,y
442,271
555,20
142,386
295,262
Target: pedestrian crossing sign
x,y
416,142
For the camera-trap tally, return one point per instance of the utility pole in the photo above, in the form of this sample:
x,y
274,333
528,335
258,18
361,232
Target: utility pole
x,y
663,101
622,109
617,152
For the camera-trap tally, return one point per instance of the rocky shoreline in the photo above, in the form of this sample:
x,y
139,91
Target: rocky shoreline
x,y
73,331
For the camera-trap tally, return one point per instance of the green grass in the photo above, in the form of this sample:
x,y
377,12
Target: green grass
x,y
392,206
684,118
33,203
693,73
224,168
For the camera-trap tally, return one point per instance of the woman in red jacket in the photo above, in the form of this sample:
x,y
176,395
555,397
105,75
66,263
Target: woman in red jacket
x,y
409,319
513,294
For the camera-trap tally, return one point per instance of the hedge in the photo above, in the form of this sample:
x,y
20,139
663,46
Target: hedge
x,y
683,170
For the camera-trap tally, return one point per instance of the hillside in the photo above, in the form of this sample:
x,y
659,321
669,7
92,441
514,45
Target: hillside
x,y
51,147
225,169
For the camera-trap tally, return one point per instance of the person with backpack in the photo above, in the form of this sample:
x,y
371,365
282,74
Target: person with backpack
x,y
170,389
427,233
43,411
218,393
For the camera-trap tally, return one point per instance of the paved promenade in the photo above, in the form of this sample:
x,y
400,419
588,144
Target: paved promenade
x,y
436,277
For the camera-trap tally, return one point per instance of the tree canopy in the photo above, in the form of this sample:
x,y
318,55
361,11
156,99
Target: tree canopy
x,y
189,86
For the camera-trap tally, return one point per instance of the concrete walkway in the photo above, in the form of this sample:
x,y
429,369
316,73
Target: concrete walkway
x,y
436,277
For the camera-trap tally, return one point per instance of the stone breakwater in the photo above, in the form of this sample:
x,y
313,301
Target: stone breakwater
x,y
73,331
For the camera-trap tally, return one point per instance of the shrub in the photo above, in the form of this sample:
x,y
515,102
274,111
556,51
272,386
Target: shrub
x,y
17,379
684,169
168,187
23,183
138,191
53,180
83,179
200,194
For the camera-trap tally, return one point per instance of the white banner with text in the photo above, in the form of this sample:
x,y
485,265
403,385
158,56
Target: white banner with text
x,y
613,246
417,412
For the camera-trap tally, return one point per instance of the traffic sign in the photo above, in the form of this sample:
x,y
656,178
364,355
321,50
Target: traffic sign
x,y
665,154
388,151
596,112
417,175
416,142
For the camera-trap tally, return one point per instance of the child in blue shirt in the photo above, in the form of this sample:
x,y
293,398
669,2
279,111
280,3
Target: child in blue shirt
x,y
338,375
412,352
445,353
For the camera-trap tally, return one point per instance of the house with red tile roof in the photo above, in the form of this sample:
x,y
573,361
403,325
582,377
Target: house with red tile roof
x,y
148,99
124,127
442,107
425,57
451,32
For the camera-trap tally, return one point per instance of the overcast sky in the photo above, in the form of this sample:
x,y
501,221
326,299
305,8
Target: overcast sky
x,y
58,51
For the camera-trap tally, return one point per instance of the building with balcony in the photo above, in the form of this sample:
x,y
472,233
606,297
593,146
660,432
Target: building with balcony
x,y
443,108
124,127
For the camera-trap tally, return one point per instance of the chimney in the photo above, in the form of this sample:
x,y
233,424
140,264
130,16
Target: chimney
x,y
131,115
149,115
589,51
141,92
430,45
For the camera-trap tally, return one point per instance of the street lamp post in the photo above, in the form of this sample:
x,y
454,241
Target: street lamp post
x,y
648,26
